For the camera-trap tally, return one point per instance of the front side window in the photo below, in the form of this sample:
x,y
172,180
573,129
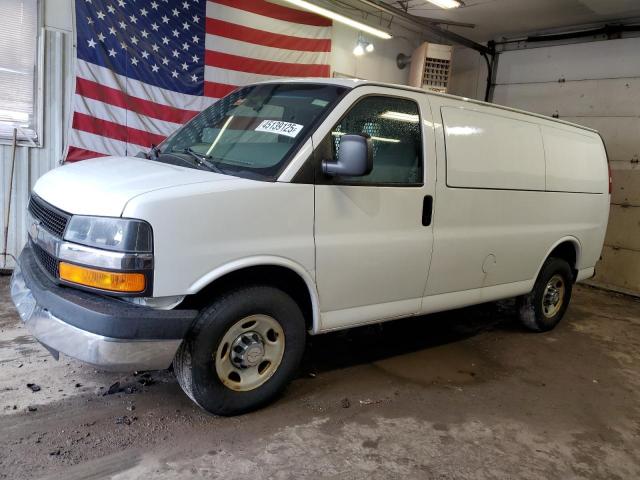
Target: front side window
x,y
394,127
253,131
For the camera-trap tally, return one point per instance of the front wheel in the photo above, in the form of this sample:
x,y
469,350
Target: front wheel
x,y
543,308
242,350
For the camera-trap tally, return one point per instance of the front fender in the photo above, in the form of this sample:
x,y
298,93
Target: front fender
x,y
264,260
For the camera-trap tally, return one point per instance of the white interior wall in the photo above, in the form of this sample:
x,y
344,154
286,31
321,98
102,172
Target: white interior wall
x,y
379,65
468,73
596,84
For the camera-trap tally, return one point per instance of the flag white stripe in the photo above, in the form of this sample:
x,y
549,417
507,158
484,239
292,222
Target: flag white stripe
x,y
124,117
96,143
267,24
233,77
260,52
108,78
106,145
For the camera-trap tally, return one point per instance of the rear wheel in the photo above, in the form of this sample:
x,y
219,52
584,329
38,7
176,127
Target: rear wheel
x,y
543,308
242,351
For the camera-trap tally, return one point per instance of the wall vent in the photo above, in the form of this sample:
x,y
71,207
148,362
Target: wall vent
x,y
431,67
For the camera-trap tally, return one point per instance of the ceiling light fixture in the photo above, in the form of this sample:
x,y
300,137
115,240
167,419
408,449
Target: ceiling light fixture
x,y
446,3
340,18
362,46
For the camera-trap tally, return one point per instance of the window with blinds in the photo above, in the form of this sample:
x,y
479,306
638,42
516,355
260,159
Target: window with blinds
x,y
18,61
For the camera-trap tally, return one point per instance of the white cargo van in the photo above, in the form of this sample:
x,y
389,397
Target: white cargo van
x,y
302,207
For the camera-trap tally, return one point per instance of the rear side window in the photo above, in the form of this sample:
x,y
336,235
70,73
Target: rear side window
x,y
394,127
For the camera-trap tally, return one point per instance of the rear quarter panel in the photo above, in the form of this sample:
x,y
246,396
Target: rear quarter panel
x,y
500,233
576,160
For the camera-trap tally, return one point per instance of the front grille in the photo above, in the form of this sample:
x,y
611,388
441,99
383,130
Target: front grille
x,y
50,217
46,260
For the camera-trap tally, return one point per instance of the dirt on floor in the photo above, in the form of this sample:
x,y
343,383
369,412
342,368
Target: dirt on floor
x,y
465,394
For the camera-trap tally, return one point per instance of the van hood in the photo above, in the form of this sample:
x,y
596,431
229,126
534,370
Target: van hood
x,y
103,186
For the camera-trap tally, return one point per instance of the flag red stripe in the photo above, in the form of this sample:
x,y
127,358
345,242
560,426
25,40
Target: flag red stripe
x,y
105,128
268,39
264,67
117,98
217,90
279,12
76,153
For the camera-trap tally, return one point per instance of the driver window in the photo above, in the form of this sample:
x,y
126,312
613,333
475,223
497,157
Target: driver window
x,y
394,127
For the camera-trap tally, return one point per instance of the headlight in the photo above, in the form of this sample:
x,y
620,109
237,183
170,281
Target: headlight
x,y
117,234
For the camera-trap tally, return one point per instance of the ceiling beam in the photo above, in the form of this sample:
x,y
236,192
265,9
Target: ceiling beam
x,y
428,25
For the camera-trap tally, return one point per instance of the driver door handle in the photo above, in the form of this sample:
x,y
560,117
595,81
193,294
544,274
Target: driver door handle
x,y
427,210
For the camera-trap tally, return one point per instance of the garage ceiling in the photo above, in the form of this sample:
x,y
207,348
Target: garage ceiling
x,y
497,18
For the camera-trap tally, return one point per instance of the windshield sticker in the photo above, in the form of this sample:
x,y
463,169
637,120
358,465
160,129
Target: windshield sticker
x,y
281,128
320,103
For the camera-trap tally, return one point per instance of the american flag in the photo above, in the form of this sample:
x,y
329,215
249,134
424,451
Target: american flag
x,y
143,67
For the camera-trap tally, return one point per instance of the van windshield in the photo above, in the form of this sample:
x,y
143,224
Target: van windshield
x,y
253,131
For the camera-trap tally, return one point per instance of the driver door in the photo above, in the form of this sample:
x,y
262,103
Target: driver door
x,y
374,233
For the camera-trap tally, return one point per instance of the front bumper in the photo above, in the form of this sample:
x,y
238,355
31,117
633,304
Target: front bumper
x,y
103,331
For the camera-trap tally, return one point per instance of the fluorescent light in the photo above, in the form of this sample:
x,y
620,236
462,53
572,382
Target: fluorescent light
x,y
376,139
387,140
463,130
446,3
400,117
339,18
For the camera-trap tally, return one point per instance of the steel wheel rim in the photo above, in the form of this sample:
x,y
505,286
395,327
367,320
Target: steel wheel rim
x,y
250,352
553,296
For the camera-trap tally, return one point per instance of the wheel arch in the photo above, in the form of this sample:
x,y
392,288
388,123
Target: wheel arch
x,y
281,272
568,248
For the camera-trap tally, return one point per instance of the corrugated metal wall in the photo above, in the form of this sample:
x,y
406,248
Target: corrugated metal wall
x,y
33,162
596,84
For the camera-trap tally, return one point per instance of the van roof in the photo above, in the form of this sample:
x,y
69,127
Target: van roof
x,y
357,82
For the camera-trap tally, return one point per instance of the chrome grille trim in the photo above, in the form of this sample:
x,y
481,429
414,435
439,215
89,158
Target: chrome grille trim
x,y
88,256
94,257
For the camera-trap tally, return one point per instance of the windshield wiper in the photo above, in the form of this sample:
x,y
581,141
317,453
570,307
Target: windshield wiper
x,y
202,160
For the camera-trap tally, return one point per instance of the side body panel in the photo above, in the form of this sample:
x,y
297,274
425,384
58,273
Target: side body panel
x,y
499,233
371,258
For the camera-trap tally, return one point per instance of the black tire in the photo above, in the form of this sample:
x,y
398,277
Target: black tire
x,y
194,363
531,307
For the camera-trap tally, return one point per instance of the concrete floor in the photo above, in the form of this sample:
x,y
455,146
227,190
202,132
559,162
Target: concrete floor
x,y
466,394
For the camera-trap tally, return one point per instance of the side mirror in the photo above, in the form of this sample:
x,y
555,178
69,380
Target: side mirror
x,y
355,157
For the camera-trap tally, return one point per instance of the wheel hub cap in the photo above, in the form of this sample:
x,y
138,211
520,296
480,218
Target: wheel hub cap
x,y
553,296
247,350
250,352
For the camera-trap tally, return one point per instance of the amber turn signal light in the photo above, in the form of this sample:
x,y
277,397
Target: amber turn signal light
x,y
112,281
